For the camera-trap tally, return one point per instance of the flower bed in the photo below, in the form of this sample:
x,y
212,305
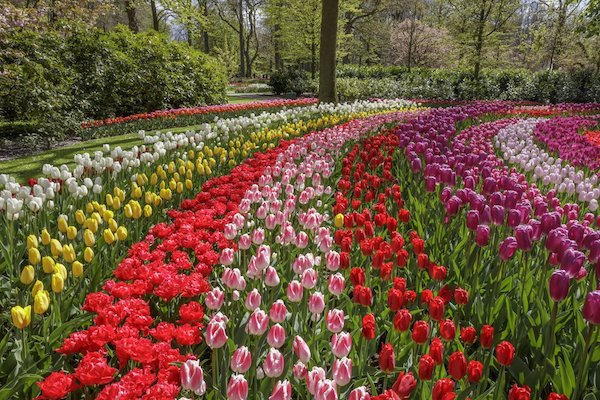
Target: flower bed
x,y
374,254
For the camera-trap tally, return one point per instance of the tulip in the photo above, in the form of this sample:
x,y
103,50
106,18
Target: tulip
x,y
21,317
278,311
58,283
342,371
447,329
253,300
336,284
338,221
468,334
591,307
301,349
309,278
34,256
360,393
335,320
420,332
505,353
316,303
387,358
294,291
313,377
276,336
436,308
299,370
241,360
559,285
271,277
436,350
121,233
341,343
474,371
519,393
426,367
192,377
273,364
441,388
27,275
507,248
41,302
37,286
257,323
404,385
487,336
215,334
402,320
326,390
214,299
237,388
482,235
457,365
281,391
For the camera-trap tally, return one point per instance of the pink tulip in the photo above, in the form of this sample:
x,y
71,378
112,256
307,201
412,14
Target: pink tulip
x,y
274,363
316,303
360,393
301,240
299,370
227,256
335,320
278,311
263,257
230,231
261,212
326,243
289,235
281,391
241,360
309,278
336,284
215,334
332,260
237,388
301,349
326,390
276,336
294,291
304,197
192,377
271,277
258,236
271,222
257,323
233,279
342,371
238,220
253,300
214,299
341,343
244,243
313,377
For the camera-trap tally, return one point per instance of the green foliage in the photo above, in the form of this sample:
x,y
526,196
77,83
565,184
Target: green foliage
x,y
62,79
289,81
18,128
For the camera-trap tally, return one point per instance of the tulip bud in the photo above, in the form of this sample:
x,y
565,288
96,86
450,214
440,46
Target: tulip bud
x,y
241,360
45,237
192,377
77,269
32,242
591,308
121,233
278,311
58,283
274,363
34,256
559,285
237,388
281,391
27,275
301,349
338,221
41,302
21,317
37,286
342,371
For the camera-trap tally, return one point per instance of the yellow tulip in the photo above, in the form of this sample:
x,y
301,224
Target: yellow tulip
x,y
27,275
88,238
68,253
88,254
136,209
62,223
171,167
200,169
176,177
157,201
153,179
79,217
121,195
41,302
89,208
34,256
58,283
32,241
179,187
207,170
338,220
147,210
61,270
37,286
71,232
128,211
116,203
107,215
139,180
48,264
56,248
91,224
136,193
45,237
77,269
188,184
172,184
97,216
21,317
112,225
122,233
189,174
108,236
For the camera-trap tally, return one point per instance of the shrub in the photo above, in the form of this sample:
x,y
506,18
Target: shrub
x,y
290,81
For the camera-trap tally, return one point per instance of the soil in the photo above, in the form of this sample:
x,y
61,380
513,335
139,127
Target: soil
x,y
11,149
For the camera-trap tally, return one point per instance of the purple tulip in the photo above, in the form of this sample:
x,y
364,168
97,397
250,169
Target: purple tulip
x,y
510,200
498,215
559,285
536,226
514,218
482,236
415,165
572,262
507,248
486,215
576,232
523,234
472,219
489,185
591,308
430,184
594,255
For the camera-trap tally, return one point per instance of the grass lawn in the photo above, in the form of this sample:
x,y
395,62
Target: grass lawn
x,y
31,166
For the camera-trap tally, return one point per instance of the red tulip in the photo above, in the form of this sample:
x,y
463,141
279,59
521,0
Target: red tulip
x,y
436,350
468,334
368,327
457,365
426,366
442,387
487,336
387,358
474,371
402,320
420,332
505,353
436,308
447,329
519,393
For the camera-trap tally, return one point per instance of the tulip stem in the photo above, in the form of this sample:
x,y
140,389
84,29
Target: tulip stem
x,y
499,383
581,369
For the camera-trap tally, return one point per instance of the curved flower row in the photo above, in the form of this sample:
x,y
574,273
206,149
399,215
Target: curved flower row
x,y
593,137
516,142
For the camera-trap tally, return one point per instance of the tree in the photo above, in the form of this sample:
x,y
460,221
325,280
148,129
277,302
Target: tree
x,y
327,70
417,44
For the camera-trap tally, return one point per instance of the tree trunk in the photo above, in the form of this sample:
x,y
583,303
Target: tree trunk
x,y
554,50
478,49
204,31
313,60
329,20
155,21
131,17
241,38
